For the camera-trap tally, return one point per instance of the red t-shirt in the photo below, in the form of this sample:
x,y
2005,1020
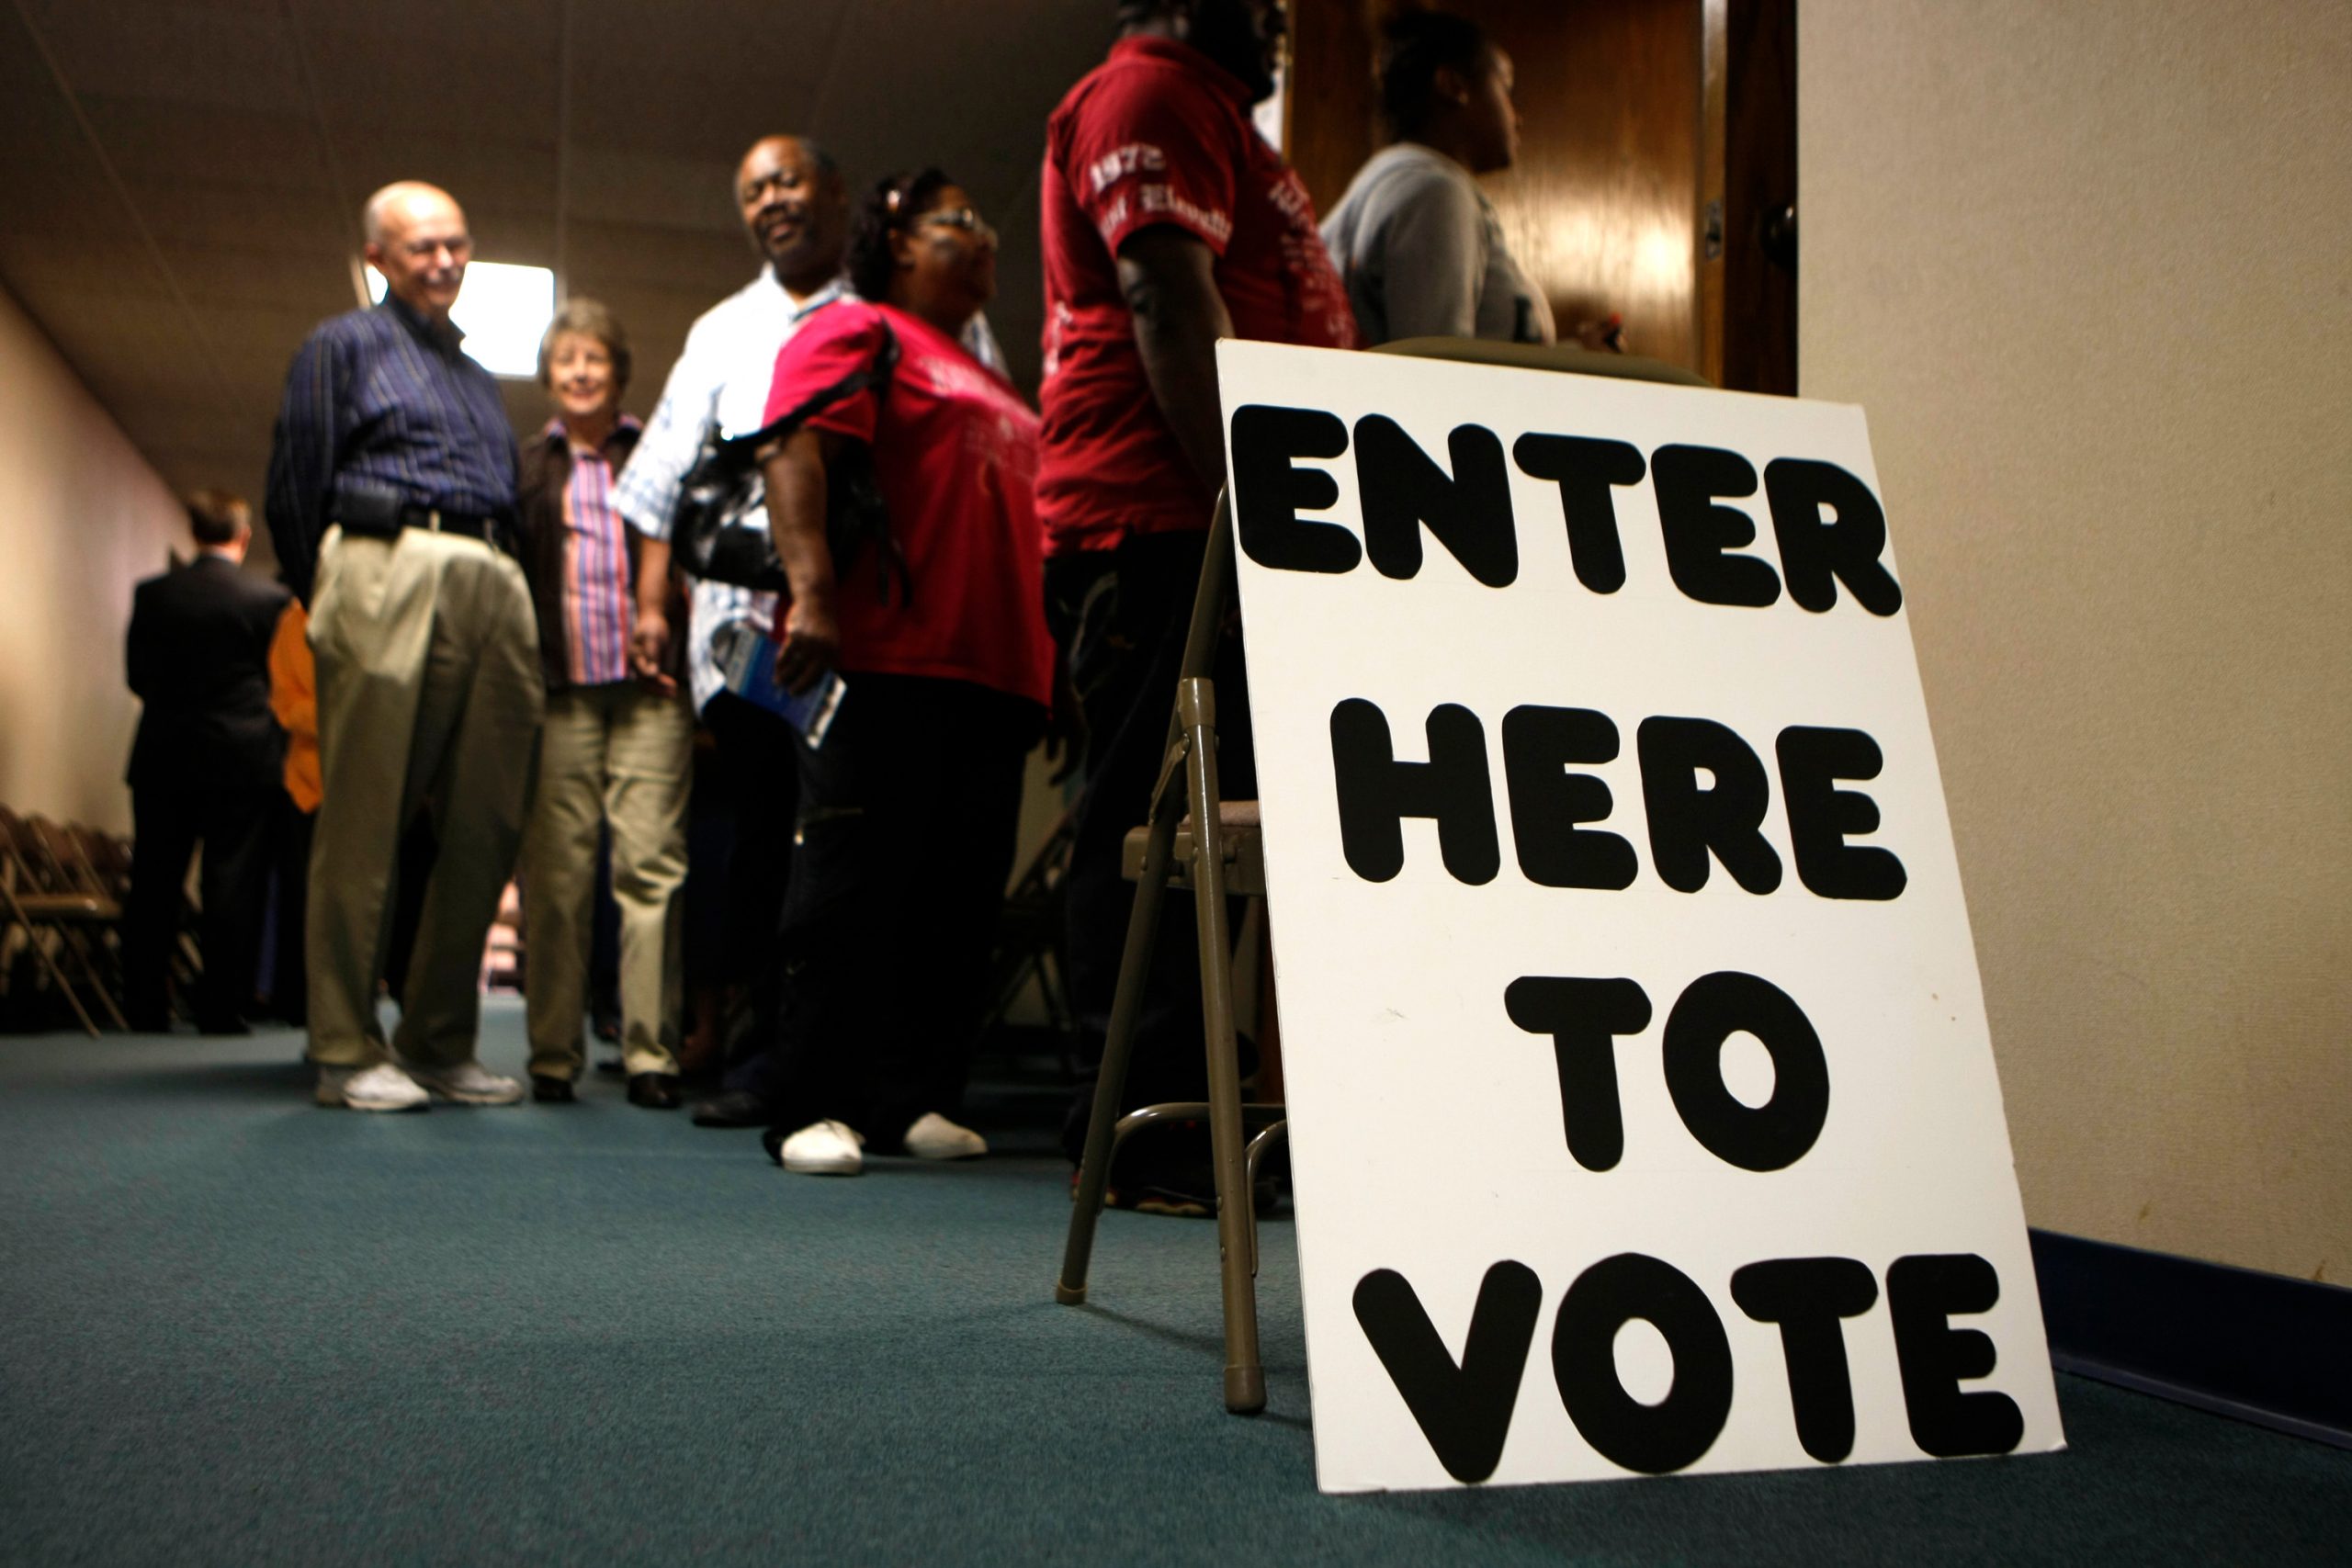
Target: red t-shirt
x,y
1158,133
956,452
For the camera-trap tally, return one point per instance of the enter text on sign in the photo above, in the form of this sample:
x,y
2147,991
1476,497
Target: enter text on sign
x,y
1829,528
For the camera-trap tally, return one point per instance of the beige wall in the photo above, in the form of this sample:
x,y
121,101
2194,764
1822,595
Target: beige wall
x,y
2089,268
82,518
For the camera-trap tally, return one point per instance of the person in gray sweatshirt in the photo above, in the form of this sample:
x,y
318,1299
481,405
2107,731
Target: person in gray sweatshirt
x,y
1418,244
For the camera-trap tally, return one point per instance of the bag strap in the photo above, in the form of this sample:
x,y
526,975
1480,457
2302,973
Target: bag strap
x,y
875,374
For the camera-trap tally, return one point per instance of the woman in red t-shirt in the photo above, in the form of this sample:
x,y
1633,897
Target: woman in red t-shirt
x,y
909,809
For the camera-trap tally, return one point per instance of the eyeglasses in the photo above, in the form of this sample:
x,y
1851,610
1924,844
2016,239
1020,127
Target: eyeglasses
x,y
965,217
459,248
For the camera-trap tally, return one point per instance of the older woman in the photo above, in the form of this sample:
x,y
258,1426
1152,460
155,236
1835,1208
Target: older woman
x,y
616,748
1419,244
908,809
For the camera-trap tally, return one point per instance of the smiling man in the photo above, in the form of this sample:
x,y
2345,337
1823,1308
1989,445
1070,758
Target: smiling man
x,y
795,213
391,488
795,209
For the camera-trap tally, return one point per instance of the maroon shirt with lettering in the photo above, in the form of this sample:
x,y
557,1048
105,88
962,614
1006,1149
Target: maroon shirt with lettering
x,y
1158,133
955,452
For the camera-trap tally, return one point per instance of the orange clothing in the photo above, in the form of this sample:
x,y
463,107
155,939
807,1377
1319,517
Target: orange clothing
x,y
293,697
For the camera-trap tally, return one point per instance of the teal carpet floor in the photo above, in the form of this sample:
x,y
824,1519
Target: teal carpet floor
x,y
235,1328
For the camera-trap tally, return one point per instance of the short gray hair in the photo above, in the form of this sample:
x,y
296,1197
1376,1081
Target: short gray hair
x,y
589,318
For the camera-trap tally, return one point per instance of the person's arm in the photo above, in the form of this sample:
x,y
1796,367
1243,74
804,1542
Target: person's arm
x,y
647,492
795,474
291,697
649,631
302,457
138,654
1168,278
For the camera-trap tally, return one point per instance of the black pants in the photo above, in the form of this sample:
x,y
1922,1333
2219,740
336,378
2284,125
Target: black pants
x,y
760,781
909,816
289,989
234,818
1121,616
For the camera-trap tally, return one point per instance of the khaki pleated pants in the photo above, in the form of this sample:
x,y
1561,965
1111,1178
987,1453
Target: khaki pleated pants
x,y
429,698
618,755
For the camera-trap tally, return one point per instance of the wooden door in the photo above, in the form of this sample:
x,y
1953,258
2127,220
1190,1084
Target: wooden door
x,y
1659,141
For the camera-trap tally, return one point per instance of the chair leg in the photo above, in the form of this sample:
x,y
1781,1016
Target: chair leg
x,y
1236,1217
98,986
56,974
1111,1082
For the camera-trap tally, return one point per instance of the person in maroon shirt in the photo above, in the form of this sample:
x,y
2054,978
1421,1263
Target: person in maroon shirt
x,y
910,808
1168,223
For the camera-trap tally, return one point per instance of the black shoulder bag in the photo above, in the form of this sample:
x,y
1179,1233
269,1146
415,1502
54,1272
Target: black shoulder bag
x,y
708,532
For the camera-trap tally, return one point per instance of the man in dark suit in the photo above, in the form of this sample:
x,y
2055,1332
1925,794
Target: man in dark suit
x,y
206,765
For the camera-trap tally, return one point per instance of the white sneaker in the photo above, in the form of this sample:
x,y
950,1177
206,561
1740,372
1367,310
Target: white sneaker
x,y
934,1136
380,1088
822,1148
470,1083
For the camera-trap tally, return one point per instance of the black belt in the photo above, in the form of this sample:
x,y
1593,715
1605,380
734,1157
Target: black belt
x,y
383,519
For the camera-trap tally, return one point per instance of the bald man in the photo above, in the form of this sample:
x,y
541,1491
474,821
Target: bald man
x,y
391,490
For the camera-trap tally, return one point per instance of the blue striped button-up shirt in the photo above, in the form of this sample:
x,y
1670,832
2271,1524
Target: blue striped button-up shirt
x,y
383,400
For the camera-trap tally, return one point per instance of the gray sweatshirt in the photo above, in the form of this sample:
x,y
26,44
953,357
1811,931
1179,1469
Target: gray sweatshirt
x,y
1423,255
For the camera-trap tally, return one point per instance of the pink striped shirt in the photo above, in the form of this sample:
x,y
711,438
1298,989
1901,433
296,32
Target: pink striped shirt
x,y
598,607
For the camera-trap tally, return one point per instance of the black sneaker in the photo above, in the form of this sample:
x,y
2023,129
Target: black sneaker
x,y
734,1108
550,1090
655,1091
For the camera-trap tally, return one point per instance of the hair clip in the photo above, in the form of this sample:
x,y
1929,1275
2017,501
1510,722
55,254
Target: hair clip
x,y
893,197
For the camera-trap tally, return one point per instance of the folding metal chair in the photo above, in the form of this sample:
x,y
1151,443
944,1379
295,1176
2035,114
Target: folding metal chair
x,y
1028,939
57,914
1194,839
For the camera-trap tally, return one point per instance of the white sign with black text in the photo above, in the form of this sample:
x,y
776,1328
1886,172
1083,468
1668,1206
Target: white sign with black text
x,y
1643,1117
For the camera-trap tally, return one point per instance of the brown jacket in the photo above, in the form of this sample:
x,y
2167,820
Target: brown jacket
x,y
546,470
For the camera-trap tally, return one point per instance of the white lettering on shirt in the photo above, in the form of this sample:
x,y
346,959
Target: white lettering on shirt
x,y
1121,161
1161,199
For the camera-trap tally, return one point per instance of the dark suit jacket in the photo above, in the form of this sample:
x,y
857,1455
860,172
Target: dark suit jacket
x,y
198,652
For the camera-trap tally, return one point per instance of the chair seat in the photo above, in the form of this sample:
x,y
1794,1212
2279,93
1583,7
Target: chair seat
x,y
68,906
1244,855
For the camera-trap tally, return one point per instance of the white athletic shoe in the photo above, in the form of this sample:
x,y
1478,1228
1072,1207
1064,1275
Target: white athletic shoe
x,y
470,1083
934,1136
822,1148
380,1088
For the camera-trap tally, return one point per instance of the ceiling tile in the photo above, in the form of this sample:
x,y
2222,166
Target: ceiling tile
x,y
446,92
176,54
214,277
37,264
508,177
421,28
247,217
611,255
275,146
646,189
789,44
709,112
